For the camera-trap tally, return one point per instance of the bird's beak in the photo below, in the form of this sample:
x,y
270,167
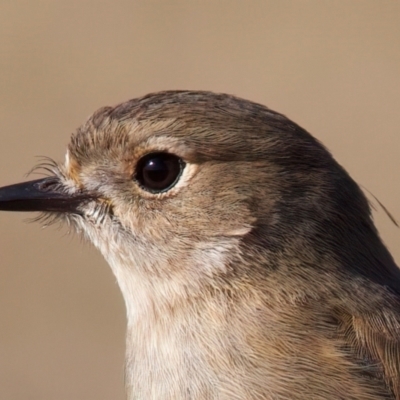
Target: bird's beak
x,y
40,195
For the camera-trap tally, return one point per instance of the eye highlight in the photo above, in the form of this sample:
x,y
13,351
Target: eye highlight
x,y
159,172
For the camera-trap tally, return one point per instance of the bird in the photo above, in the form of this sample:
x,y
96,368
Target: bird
x,y
247,257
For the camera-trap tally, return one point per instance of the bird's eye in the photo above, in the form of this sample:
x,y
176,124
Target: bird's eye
x,y
158,172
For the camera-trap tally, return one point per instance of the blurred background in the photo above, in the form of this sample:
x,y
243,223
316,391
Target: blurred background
x,y
333,67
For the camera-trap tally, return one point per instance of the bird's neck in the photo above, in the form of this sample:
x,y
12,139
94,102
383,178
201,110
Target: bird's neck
x,y
180,349
177,325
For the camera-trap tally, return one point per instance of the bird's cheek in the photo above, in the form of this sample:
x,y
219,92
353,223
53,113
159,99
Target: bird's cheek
x,y
129,217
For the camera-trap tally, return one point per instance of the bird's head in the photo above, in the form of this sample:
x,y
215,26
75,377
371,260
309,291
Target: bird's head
x,y
188,188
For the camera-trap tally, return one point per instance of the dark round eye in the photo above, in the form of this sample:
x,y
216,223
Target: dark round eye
x,y
158,172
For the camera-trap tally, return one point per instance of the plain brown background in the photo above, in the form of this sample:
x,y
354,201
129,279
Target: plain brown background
x,y
331,66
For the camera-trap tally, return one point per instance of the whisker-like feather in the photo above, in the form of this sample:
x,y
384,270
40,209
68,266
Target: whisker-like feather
x,y
47,166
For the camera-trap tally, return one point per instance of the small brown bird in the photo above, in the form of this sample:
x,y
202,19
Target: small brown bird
x,y
247,256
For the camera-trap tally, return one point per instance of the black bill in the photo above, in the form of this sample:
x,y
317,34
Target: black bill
x,y
40,195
